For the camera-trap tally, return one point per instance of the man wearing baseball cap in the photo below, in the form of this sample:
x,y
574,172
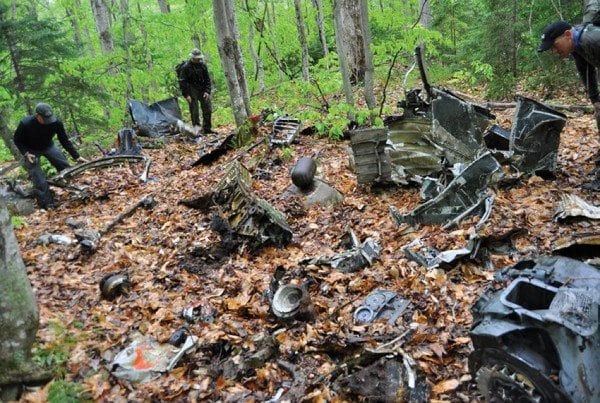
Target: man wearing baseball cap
x,y
33,138
583,43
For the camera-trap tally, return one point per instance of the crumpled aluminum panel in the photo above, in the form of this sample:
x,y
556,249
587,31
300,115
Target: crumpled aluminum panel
x,y
465,195
535,136
246,214
458,126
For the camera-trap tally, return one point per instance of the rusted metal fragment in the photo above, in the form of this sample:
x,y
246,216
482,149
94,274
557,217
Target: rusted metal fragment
x,y
458,126
535,136
465,195
497,138
285,129
539,337
571,205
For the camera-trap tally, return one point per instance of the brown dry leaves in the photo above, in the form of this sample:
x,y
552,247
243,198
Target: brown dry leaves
x,y
149,246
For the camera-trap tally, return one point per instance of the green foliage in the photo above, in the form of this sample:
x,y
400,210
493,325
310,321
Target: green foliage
x,y
287,153
55,355
18,221
62,391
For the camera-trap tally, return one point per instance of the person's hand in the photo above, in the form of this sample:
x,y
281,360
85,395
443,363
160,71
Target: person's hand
x,y
206,96
81,160
189,99
30,157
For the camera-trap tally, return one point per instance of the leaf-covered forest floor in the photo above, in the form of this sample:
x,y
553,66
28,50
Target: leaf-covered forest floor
x,y
156,246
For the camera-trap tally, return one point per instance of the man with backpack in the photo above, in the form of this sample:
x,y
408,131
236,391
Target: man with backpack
x,y
194,83
582,42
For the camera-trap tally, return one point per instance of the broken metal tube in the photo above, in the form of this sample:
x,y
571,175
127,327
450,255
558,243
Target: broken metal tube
x,y
303,173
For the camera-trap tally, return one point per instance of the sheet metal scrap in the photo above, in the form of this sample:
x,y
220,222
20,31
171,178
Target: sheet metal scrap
x,y
412,156
458,126
156,119
247,215
539,337
574,206
357,255
380,304
145,359
285,130
585,246
535,136
465,195
432,258
66,175
371,162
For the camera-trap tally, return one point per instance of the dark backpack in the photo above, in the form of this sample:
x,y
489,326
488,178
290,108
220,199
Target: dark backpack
x,y
179,70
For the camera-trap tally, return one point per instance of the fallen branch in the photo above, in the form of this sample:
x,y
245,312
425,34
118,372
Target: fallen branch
x,y
145,201
9,168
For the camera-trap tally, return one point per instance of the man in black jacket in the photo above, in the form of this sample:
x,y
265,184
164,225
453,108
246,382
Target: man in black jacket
x,y
33,138
194,83
582,42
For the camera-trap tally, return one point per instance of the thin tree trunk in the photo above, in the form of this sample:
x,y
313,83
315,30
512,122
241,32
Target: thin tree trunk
x,y
342,52
348,26
259,70
164,6
302,38
147,58
102,19
71,15
229,50
368,67
425,13
7,137
514,39
270,17
126,27
322,37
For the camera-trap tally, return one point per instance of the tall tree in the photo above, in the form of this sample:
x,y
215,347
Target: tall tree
x,y
231,58
320,26
302,38
259,69
102,19
368,61
347,19
164,6
425,13
342,46
124,4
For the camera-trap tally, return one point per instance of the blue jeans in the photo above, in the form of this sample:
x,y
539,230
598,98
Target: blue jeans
x,y
38,178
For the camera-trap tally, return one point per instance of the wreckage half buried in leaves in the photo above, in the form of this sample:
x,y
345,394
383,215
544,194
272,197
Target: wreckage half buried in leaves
x,y
248,217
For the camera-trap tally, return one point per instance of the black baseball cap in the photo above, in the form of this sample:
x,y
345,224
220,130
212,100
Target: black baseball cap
x,y
45,111
551,32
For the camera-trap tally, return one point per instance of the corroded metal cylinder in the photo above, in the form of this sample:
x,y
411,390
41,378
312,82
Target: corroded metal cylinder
x,y
303,173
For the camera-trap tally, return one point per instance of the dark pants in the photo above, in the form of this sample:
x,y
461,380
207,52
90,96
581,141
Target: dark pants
x,y
206,107
38,178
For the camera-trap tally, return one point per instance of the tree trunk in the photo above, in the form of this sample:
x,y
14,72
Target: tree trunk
x,y
347,13
7,137
19,318
102,19
71,15
164,6
147,58
322,37
515,35
259,69
342,51
368,67
269,16
231,58
302,38
425,13
126,27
